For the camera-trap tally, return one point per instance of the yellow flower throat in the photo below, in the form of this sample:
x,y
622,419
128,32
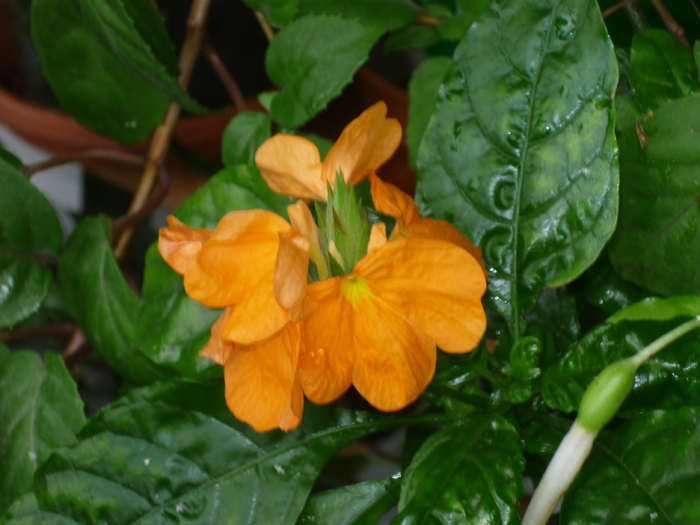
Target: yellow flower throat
x,y
355,290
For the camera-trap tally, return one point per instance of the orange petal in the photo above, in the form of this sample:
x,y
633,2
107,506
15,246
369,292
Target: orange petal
x,y
365,144
390,200
242,249
217,349
377,237
303,222
291,166
262,388
434,285
179,244
325,365
291,272
394,362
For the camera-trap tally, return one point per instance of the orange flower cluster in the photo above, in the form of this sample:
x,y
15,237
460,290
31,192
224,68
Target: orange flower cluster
x,y
376,327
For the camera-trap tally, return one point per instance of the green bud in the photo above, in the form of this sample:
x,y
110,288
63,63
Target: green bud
x,y
605,394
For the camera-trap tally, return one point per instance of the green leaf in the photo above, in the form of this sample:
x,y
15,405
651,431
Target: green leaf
x,y
25,511
173,451
520,153
29,231
661,69
383,14
646,472
657,241
183,324
658,309
313,59
469,472
243,136
668,380
40,411
468,11
607,290
96,293
103,70
412,37
11,159
278,12
555,316
423,98
359,504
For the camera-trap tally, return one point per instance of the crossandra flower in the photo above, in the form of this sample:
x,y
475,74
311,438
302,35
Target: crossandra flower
x,y
292,165
253,262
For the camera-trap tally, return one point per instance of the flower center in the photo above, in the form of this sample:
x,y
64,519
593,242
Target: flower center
x,y
355,290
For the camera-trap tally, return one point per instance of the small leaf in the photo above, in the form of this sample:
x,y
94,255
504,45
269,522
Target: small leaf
x,y
661,69
278,12
520,153
173,451
469,472
40,411
658,309
423,97
669,379
29,230
657,241
183,324
102,70
313,59
360,504
454,28
412,37
98,296
243,136
383,14
645,472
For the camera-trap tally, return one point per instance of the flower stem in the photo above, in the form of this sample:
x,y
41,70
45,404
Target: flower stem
x,y
663,341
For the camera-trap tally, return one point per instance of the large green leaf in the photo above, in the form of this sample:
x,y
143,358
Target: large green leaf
x,y
173,451
668,380
659,309
360,504
470,472
243,136
661,69
40,411
455,27
29,230
657,241
313,59
96,293
648,472
278,12
183,324
102,61
520,153
384,14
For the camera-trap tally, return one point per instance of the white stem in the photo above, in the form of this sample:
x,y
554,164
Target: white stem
x,y
566,463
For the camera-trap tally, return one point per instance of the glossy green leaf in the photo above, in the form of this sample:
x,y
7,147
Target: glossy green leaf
x,y
173,451
520,153
423,98
359,504
313,59
657,241
25,511
470,472
103,70
412,37
29,231
40,411
455,27
607,290
278,12
661,69
646,473
669,379
659,309
96,293
383,14
183,324
243,136
10,158
557,317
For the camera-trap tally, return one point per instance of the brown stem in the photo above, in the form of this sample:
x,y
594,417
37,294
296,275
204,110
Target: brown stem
x,y
425,19
93,154
33,332
266,27
614,9
45,258
226,79
673,27
77,349
695,7
163,134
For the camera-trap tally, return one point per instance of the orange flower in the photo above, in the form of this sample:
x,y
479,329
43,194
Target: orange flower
x,y
390,200
378,327
292,165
